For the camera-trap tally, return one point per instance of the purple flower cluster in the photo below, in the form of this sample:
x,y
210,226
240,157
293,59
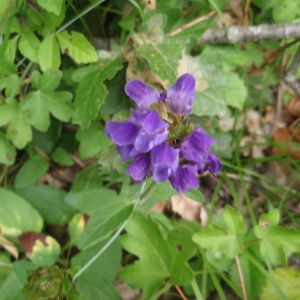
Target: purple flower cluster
x,y
157,138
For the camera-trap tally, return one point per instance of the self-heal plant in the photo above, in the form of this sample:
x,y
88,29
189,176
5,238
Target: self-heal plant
x,y
158,138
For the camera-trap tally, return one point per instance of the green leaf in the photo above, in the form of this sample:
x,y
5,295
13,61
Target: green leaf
x,y
111,160
8,111
39,103
59,104
104,267
12,288
4,6
51,20
159,258
286,11
19,131
11,49
49,201
210,85
223,147
46,141
49,54
17,216
276,242
106,218
236,91
76,227
88,179
88,200
29,45
288,281
91,91
62,157
77,47
51,6
31,171
93,141
229,239
7,152
250,271
102,290
11,84
162,54
36,107
48,81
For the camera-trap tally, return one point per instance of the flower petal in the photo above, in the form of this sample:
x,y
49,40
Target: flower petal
x,y
141,94
196,145
127,151
150,121
214,165
184,178
122,133
182,95
165,160
139,168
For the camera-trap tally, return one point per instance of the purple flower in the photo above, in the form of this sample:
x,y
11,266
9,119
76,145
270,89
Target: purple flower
x,y
181,96
141,94
184,178
195,148
157,138
165,160
139,168
122,133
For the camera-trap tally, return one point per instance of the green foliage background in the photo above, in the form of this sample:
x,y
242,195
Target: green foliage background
x,y
63,67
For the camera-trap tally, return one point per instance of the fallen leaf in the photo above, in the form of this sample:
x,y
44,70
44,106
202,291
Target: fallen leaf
x,y
189,209
9,247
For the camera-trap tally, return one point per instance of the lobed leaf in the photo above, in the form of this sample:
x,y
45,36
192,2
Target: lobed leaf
x,y
276,242
91,91
228,239
159,258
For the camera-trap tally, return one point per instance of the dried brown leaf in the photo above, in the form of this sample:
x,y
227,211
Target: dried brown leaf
x,y
9,247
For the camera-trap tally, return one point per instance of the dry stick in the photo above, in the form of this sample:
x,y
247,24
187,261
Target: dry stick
x,y
290,77
236,34
241,278
192,23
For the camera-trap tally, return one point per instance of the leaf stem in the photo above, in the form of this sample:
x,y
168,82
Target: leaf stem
x,y
241,277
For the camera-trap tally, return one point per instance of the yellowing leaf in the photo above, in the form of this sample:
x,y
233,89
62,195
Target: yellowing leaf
x,y
287,279
51,6
77,46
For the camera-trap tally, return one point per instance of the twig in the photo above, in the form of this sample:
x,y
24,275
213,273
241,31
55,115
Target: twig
x,y
192,23
182,295
241,278
236,34
290,77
